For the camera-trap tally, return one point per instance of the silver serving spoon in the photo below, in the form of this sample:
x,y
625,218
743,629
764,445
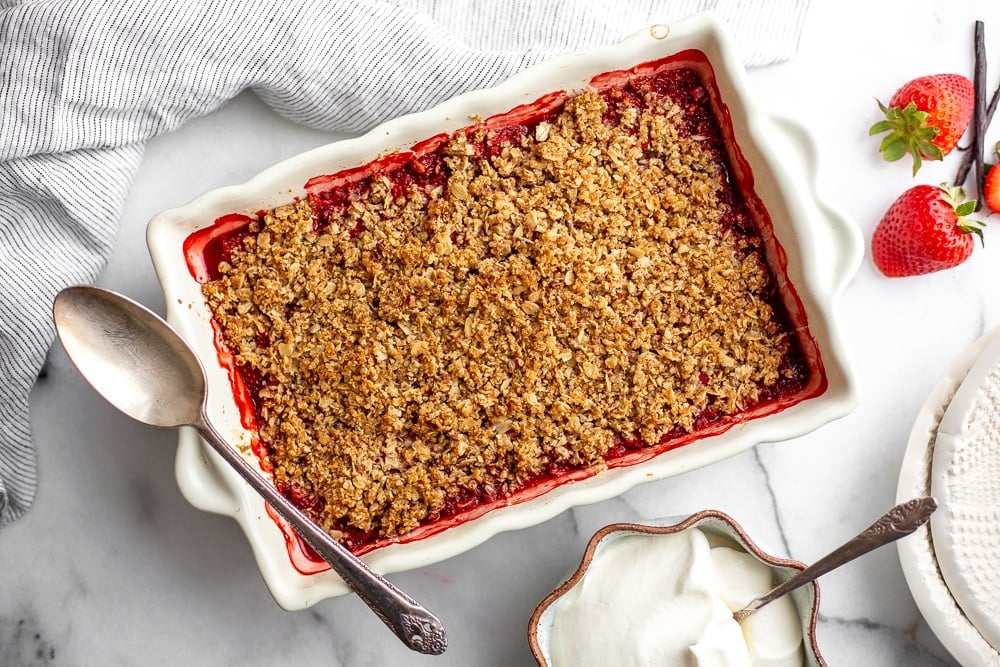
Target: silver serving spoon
x,y
898,522
141,366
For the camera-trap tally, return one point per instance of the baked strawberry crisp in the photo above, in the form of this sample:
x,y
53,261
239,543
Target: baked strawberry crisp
x,y
533,296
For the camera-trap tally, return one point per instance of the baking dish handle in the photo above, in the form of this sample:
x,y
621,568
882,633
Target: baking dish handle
x,y
838,232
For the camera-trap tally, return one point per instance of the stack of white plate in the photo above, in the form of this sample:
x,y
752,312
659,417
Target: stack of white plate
x,y
953,565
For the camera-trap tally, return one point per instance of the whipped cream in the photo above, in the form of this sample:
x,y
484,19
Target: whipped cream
x,y
669,600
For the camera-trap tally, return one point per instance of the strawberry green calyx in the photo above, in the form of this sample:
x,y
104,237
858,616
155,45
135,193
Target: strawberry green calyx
x,y
909,132
955,196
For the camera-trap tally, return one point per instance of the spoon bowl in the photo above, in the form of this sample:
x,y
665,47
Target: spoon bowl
x,y
131,357
140,365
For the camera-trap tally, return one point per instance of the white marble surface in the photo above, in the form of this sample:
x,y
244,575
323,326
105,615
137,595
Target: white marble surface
x,y
113,567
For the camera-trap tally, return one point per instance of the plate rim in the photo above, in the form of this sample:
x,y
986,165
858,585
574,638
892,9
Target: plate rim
x,y
921,571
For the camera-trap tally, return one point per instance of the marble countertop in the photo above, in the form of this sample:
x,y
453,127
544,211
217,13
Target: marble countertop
x,y
113,567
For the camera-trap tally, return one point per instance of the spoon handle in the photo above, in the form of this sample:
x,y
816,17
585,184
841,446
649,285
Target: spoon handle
x,y
415,626
898,522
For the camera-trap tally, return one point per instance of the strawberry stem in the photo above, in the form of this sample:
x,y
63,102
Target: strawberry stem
x,y
955,197
908,133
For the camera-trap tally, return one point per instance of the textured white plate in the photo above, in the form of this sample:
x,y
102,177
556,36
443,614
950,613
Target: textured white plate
x,y
919,555
820,247
965,478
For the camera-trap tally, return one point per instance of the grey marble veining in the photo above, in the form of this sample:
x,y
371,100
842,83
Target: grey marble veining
x,y
113,567
22,641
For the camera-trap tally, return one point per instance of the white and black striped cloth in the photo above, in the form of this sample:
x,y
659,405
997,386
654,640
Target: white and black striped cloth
x,y
84,84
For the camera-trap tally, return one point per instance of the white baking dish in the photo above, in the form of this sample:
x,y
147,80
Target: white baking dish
x,y
821,247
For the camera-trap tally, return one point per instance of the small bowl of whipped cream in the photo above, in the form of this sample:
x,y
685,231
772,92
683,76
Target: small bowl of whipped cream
x,y
665,595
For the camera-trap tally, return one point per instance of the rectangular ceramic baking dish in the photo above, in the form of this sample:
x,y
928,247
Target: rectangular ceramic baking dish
x,y
815,247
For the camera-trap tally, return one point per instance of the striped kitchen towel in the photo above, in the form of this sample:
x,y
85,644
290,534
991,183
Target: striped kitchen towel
x,y
85,83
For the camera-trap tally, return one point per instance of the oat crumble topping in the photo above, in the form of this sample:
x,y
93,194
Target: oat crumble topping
x,y
542,305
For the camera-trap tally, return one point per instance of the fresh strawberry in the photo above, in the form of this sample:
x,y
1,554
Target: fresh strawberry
x,y
991,184
991,189
925,230
926,118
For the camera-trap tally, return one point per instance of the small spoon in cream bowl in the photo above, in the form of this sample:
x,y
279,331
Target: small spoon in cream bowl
x,y
140,365
898,522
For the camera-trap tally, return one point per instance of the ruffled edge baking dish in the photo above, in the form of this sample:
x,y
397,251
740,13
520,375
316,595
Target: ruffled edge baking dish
x,y
819,250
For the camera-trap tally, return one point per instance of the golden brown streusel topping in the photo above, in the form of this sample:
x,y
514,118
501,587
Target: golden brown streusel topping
x,y
574,291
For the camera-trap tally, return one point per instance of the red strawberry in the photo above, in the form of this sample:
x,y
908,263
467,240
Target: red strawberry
x,y
926,118
991,189
991,184
925,230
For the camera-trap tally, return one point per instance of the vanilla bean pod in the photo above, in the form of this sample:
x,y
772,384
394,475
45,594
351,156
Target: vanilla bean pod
x,y
979,111
981,117
967,154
